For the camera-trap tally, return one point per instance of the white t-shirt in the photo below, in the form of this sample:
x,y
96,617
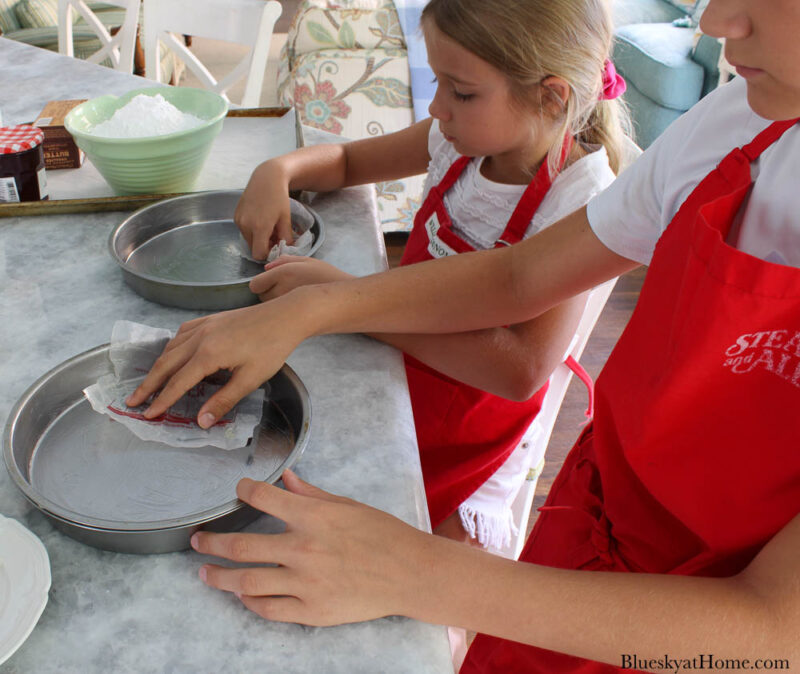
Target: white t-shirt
x,y
632,213
480,209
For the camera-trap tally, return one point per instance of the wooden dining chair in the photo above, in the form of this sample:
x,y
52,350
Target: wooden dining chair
x,y
246,22
117,46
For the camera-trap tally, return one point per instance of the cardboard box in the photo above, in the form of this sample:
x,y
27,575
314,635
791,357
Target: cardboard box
x,y
59,148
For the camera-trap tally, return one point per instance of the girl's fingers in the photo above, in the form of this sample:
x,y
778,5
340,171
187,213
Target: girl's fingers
x,y
253,581
165,366
277,609
170,360
185,332
188,326
296,485
182,375
285,504
218,405
241,221
141,394
285,259
247,235
226,341
261,243
240,547
271,499
283,228
331,560
262,283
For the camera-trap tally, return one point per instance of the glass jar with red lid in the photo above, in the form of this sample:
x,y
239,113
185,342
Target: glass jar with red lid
x,y
22,174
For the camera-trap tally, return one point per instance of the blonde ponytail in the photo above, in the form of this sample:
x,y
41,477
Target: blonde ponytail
x,y
529,40
608,125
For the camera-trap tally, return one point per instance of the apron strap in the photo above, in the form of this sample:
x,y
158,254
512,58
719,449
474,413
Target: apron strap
x,y
583,375
767,137
531,198
455,170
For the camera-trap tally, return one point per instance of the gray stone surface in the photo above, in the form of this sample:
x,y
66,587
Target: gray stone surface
x,y
60,293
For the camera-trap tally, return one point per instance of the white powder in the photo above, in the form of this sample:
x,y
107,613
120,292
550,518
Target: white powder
x,y
146,116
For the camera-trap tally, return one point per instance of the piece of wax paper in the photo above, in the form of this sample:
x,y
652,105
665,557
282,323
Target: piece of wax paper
x,y
134,349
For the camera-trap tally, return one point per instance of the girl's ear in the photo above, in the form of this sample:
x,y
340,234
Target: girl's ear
x,y
556,92
557,87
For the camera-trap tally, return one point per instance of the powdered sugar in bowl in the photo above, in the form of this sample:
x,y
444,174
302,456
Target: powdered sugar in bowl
x,y
152,140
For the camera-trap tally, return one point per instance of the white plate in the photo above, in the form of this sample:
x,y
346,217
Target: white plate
x,y
24,582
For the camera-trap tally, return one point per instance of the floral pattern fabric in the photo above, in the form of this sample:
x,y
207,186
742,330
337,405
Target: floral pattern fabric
x,y
321,106
344,67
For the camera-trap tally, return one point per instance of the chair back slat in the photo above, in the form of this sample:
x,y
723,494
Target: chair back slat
x,y
119,48
245,22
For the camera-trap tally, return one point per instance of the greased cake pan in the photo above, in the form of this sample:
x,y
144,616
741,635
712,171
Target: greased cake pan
x,y
100,484
186,251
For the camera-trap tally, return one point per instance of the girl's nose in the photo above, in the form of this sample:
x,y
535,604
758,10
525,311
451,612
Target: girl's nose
x,y
726,19
437,108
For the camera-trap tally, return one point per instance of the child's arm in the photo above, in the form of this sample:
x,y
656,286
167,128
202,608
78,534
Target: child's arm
x,y
341,561
264,205
512,362
463,292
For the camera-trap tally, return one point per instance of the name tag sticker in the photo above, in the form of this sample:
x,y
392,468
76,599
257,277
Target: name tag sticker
x,y
436,247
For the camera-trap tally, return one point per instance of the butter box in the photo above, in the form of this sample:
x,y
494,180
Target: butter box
x,y
59,148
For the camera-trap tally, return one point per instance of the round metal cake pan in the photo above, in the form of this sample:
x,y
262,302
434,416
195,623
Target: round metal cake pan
x,y
101,485
185,252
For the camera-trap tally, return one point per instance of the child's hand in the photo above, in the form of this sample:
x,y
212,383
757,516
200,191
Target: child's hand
x,y
339,560
292,271
263,215
252,343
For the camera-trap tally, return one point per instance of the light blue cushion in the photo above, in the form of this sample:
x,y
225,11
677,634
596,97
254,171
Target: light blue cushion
x,y
687,6
649,119
644,11
706,53
699,8
693,8
656,58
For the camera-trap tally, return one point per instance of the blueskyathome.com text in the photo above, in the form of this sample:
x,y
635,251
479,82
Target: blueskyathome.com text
x,y
705,661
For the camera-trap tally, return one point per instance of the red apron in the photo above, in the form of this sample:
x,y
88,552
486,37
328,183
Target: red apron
x,y
464,434
691,466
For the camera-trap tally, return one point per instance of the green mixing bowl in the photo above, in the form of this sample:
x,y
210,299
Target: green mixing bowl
x,y
151,164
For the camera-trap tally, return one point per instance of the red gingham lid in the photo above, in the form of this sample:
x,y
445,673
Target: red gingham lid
x,y
19,138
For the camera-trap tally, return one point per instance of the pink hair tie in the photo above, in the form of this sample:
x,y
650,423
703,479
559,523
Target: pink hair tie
x,y
613,83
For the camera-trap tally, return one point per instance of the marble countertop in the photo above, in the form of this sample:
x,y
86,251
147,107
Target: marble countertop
x,y
60,293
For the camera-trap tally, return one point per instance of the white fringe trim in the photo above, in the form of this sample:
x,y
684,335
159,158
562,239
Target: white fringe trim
x,y
491,531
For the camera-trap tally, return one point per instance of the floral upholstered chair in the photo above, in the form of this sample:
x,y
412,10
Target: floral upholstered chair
x,y
345,69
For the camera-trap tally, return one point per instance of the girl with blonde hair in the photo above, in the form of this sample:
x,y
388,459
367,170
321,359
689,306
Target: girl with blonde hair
x,y
525,128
